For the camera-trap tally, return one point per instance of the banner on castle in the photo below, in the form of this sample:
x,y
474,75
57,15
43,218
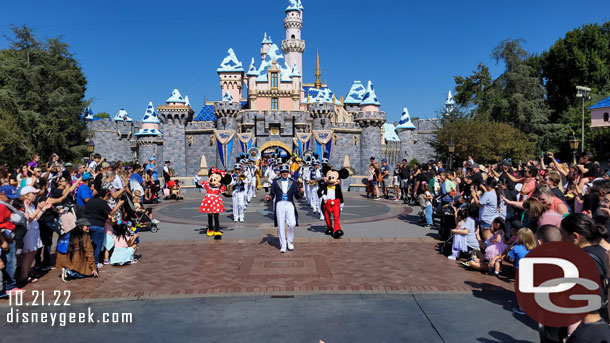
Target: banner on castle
x,y
224,140
245,140
323,140
302,141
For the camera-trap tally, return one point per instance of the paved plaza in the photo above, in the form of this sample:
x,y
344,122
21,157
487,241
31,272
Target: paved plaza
x,y
384,280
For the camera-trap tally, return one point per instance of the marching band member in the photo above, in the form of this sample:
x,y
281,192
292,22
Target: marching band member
x,y
283,190
239,194
306,172
315,176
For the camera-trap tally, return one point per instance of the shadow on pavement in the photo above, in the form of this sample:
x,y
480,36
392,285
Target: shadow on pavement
x,y
501,338
500,296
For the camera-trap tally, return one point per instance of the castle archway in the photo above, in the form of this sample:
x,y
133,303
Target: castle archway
x,y
271,145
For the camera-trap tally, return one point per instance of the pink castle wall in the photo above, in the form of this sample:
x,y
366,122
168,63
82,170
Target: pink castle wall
x,y
369,108
597,117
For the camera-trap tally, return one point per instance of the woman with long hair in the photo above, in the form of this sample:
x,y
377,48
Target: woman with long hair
x,y
75,254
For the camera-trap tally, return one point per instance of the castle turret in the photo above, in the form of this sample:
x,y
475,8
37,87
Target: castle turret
x,y
175,116
88,114
231,74
148,137
297,89
122,116
252,91
226,112
449,103
406,132
370,120
354,97
266,44
293,46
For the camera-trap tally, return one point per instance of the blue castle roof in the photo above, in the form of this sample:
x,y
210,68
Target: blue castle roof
x,y
390,133
88,114
227,97
295,70
267,39
150,116
230,63
405,121
252,69
122,115
355,94
601,104
294,5
274,54
148,132
176,97
206,114
370,98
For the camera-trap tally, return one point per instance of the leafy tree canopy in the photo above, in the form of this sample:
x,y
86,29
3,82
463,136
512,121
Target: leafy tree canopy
x,y
42,91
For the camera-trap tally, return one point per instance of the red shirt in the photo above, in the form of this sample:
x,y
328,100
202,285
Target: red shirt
x,y
5,217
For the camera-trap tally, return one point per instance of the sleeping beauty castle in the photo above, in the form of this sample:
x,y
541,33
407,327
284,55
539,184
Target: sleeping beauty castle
x,y
268,106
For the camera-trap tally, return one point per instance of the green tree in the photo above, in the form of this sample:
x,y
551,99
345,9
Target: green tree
x,y
101,115
42,89
486,141
582,58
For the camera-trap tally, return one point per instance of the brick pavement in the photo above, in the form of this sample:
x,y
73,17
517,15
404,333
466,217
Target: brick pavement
x,y
255,267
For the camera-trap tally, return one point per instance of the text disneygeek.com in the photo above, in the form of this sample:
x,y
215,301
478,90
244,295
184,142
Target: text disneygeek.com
x,y
29,312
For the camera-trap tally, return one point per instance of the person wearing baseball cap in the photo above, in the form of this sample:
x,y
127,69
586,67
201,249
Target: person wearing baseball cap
x,y
31,240
283,191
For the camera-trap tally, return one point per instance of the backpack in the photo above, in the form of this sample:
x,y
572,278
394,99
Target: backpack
x,y
62,243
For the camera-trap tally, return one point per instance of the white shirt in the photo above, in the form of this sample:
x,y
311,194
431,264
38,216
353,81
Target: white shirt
x,y
117,183
284,185
330,193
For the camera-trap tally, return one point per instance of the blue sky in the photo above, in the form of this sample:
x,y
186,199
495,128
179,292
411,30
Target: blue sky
x,y
133,52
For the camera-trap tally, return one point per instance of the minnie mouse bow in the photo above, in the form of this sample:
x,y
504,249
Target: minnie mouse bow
x,y
217,171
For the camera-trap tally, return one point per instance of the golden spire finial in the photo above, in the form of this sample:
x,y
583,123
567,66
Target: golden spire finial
x,y
318,84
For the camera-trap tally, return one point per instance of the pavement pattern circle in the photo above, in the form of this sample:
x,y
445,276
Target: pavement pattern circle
x,y
358,209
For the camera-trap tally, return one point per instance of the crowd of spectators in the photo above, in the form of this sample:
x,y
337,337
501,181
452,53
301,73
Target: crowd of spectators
x,y
493,215
92,212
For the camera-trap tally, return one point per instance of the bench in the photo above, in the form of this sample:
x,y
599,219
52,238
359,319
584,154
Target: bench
x,y
358,183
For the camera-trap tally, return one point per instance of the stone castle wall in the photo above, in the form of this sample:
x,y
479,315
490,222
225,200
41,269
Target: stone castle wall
x,y
184,144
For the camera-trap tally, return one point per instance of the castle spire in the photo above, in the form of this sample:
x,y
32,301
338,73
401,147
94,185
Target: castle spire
x,y
318,84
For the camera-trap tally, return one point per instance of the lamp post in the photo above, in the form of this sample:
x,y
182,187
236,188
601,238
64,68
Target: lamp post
x,y
574,146
583,92
90,148
451,151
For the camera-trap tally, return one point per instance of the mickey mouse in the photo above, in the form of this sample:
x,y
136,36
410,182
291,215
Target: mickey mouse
x,y
332,199
212,202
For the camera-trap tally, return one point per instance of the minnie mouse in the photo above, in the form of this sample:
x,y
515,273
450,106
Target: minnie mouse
x,y
212,202
332,199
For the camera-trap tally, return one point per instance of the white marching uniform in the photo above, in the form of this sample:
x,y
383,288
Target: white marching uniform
x,y
239,198
306,177
249,177
316,174
286,220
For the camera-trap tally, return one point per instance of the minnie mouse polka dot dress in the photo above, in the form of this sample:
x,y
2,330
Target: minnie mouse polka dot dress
x,y
212,202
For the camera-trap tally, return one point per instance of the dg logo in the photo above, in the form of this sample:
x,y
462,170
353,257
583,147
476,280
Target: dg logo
x,y
557,284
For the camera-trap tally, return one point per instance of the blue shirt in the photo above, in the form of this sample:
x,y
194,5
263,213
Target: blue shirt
x,y
153,167
517,253
137,177
84,192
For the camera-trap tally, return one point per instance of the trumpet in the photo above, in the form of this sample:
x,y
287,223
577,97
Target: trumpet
x,y
313,182
242,177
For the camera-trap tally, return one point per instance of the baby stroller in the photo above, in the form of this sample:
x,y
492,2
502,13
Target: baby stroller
x,y
447,215
141,221
172,190
154,193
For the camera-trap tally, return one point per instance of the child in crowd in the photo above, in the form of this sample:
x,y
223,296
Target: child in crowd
x,y
495,246
428,209
125,246
464,228
137,204
526,242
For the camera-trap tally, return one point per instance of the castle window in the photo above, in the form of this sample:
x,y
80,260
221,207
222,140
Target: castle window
x,y
274,103
606,116
273,80
293,37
